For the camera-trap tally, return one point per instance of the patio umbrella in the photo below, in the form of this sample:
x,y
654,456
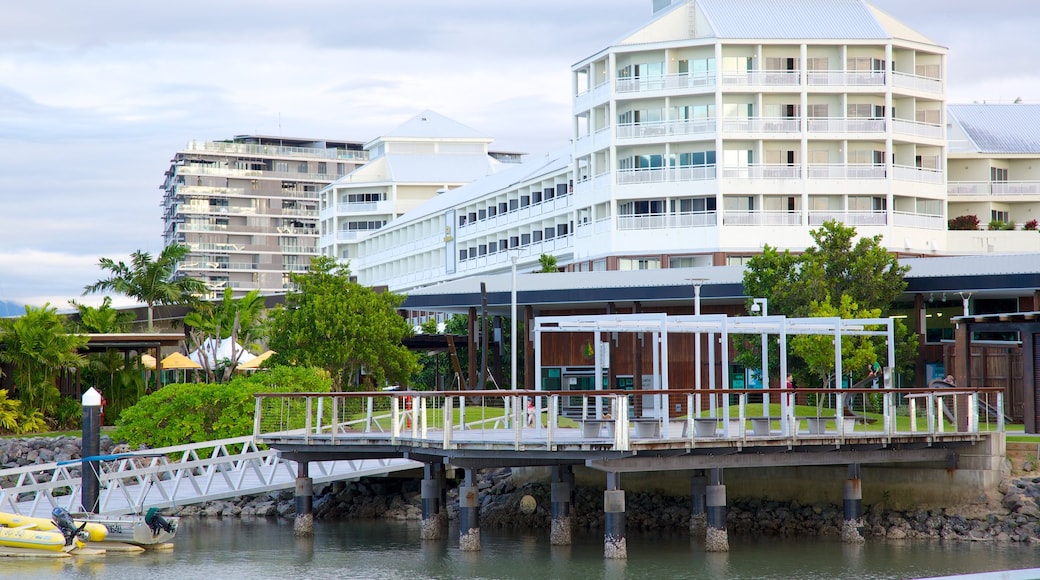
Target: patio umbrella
x,y
148,361
255,363
178,361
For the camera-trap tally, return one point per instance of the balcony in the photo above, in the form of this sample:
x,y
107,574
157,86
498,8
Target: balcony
x,y
666,129
665,174
918,221
992,188
917,174
586,100
665,83
667,221
777,125
275,150
849,218
368,207
761,218
762,78
763,171
846,125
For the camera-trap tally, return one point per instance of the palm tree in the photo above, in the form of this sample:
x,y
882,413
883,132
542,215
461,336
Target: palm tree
x,y
243,321
150,282
38,348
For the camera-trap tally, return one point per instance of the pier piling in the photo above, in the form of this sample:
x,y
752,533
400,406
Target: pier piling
x,y
430,494
615,545
303,525
698,517
469,513
853,503
561,492
716,538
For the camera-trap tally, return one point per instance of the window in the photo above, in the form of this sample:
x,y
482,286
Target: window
x,y
737,260
323,168
693,205
282,166
364,197
639,263
998,174
697,159
682,262
1000,216
301,167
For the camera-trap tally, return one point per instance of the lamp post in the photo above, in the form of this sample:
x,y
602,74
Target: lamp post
x,y
91,445
697,282
512,326
760,307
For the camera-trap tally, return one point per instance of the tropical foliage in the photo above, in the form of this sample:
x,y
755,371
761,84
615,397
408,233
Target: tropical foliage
x,y
547,263
242,321
13,420
193,412
150,281
336,324
38,349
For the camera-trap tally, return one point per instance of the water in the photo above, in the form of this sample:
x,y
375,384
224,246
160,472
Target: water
x,y
261,549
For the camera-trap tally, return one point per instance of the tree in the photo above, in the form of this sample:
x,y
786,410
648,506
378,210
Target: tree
x,y
102,319
150,281
818,350
241,321
548,264
38,348
823,278
339,325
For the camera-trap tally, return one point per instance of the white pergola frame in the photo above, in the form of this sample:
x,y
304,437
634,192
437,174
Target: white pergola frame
x,y
660,325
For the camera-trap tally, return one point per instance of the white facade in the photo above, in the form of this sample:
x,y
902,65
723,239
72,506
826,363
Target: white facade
x,y
248,207
710,131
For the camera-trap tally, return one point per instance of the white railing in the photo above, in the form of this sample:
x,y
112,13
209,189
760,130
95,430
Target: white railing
x,y
170,477
917,83
586,100
665,82
841,171
917,129
845,125
849,218
762,218
918,221
275,150
763,171
917,174
666,221
993,188
838,78
762,78
666,128
762,124
665,174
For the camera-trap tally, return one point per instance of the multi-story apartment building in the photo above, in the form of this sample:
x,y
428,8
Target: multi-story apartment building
x,y
713,129
427,155
248,207
994,176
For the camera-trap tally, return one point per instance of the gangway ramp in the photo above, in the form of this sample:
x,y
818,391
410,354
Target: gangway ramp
x,y
173,476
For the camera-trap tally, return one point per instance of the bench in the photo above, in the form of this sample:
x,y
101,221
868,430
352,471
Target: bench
x,y
648,427
705,427
761,426
595,428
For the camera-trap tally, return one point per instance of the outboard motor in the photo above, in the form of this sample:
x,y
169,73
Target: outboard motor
x,y
156,522
68,527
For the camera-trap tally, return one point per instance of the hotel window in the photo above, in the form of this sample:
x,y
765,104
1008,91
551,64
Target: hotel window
x,y
693,205
282,166
639,263
1000,216
599,265
696,159
323,168
998,174
301,167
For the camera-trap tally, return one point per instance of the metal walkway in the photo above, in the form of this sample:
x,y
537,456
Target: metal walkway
x,y
173,476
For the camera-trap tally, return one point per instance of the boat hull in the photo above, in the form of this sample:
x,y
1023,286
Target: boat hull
x,y
131,529
32,539
97,532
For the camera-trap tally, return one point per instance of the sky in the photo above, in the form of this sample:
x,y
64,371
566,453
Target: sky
x,y
96,97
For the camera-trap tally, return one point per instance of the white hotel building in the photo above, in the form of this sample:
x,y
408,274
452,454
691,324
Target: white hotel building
x,y
717,127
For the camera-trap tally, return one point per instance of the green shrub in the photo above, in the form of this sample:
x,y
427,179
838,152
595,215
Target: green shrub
x,y
997,225
194,412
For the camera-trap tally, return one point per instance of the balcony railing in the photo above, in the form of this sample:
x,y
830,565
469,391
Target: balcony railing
x,y
762,125
275,150
918,221
768,78
598,94
666,221
666,128
665,82
665,174
838,78
849,218
761,218
851,171
964,188
846,125
763,171
917,129
917,83
918,174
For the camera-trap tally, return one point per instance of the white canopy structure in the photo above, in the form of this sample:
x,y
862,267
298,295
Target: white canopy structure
x,y
214,353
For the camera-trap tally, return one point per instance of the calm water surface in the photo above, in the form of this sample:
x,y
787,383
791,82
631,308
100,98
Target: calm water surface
x,y
261,549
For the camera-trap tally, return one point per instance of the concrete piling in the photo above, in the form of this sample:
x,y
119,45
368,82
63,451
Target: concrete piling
x,y
560,494
698,516
469,513
615,545
303,524
716,537
430,495
852,497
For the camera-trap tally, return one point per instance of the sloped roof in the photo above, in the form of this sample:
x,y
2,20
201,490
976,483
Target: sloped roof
x,y
441,168
431,125
782,19
1013,128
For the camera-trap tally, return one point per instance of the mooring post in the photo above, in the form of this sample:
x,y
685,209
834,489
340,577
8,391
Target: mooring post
x,y
615,546
469,513
430,495
560,492
91,447
853,503
303,525
716,538
698,516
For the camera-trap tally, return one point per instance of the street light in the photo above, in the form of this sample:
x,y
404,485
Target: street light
x,y
512,328
760,306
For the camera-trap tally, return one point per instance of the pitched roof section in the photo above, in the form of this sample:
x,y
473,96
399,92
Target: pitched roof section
x,y
431,125
793,19
999,128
